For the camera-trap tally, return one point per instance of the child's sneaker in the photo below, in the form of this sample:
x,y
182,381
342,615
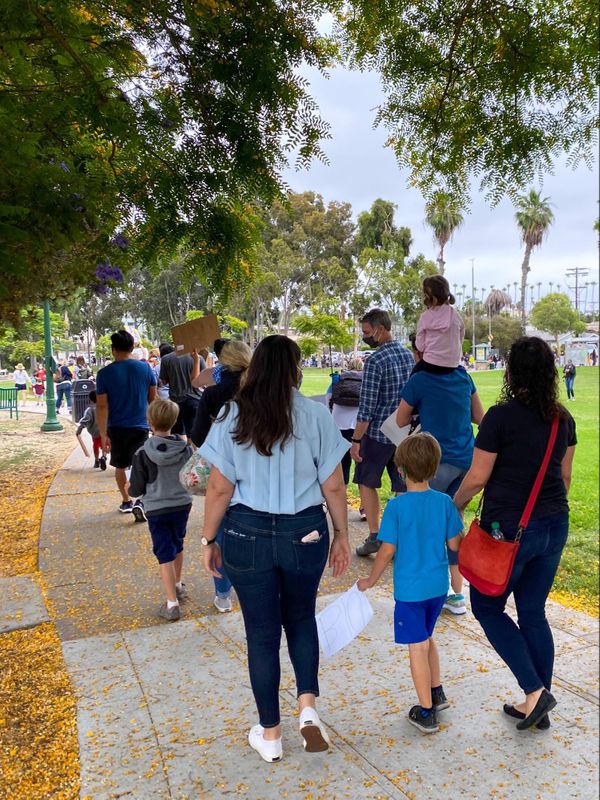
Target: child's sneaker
x,y
182,593
369,547
313,732
455,603
425,723
439,699
138,511
102,463
126,507
222,604
171,614
96,463
363,516
268,750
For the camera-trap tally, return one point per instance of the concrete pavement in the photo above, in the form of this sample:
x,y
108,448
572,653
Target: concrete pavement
x,y
164,708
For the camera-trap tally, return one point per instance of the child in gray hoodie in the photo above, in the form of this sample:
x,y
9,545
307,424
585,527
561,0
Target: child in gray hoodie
x,y
166,506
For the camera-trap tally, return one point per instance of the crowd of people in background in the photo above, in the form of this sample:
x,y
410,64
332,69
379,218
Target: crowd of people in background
x,y
280,463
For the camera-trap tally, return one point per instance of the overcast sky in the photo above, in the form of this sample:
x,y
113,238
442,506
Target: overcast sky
x,y
361,169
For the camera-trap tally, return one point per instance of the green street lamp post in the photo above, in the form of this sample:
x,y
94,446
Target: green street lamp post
x,y
51,424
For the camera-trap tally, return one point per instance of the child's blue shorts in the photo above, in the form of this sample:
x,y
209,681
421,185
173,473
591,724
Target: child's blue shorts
x,y
168,532
414,621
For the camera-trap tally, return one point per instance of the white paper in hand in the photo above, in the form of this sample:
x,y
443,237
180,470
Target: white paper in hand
x,y
341,621
394,432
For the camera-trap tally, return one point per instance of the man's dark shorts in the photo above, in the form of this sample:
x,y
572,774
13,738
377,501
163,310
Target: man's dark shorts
x,y
123,444
187,415
168,531
376,457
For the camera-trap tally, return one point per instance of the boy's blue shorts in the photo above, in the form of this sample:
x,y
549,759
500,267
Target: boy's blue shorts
x,y
414,621
168,532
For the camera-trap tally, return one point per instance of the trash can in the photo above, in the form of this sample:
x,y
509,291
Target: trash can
x,y
80,397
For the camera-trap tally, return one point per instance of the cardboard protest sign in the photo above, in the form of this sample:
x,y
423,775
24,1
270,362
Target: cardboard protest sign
x,y
341,621
197,333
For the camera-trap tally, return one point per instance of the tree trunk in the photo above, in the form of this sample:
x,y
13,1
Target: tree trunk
x,y
440,260
524,273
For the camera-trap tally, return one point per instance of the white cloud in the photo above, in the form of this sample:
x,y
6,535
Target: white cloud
x,y
362,169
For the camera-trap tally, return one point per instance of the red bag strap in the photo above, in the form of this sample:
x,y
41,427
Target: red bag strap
x,y
524,521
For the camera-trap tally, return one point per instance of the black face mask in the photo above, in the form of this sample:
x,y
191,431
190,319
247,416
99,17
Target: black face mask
x,y
369,340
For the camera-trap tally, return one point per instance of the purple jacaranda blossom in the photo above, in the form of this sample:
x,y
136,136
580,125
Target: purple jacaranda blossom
x,y
108,273
120,241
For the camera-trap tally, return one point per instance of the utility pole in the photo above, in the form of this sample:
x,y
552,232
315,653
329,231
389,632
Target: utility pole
x,y
576,273
473,308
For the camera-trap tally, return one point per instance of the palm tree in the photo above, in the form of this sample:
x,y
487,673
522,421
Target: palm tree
x,y
443,214
534,217
497,300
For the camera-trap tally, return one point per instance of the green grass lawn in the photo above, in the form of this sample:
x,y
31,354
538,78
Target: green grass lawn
x,y
577,580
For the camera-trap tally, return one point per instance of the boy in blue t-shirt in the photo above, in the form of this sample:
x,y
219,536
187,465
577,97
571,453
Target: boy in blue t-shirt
x,y
414,530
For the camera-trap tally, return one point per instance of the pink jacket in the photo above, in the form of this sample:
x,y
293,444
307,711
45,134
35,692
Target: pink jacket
x,y
440,334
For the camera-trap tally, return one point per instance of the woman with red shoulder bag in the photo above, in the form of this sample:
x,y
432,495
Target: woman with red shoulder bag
x,y
522,460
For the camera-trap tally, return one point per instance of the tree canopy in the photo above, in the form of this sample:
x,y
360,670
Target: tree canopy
x,y
477,89
555,314
130,129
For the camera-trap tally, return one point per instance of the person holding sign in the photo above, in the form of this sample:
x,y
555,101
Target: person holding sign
x,y
415,528
274,456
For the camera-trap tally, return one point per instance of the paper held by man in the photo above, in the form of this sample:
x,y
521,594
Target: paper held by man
x,y
196,334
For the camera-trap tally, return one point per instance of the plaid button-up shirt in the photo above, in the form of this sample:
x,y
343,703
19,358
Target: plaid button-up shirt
x,y
385,374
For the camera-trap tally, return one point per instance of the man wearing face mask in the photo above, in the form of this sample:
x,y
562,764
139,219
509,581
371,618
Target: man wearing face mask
x,y
386,371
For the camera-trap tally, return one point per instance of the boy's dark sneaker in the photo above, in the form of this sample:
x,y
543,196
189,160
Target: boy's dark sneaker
x,y
439,699
102,463
369,547
96,463
170,614
182,594
426,724
126,508
138,512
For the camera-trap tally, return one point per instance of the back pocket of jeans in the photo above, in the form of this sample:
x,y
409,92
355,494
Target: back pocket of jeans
x,y
238,550
312,555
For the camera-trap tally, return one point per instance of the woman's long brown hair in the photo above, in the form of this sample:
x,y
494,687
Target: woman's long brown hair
x,y
265,400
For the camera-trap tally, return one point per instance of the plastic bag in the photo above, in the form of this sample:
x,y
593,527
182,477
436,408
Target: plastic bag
x,y
194,474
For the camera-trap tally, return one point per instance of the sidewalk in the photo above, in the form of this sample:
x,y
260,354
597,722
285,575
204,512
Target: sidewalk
x,y
164,709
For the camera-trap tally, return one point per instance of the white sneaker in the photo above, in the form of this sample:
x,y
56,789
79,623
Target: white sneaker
x,y
313,731
455,603
222,604
267,750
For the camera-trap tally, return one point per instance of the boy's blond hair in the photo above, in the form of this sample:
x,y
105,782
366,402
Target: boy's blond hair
x,y
418,456
162,414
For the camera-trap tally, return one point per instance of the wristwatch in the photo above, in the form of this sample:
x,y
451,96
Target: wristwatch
x,y
206,541
356,441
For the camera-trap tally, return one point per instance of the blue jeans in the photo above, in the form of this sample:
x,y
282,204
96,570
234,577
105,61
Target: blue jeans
x,y
63,390
222,585
527,647
570,391
276,577
447,479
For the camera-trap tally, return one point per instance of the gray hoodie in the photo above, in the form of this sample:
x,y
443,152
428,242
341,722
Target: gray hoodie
x,y
155,474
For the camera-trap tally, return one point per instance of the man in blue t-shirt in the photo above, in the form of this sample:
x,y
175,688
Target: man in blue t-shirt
x,y
124,389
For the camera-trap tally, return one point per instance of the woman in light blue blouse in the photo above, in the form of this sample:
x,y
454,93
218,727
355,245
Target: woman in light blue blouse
x,y
275,454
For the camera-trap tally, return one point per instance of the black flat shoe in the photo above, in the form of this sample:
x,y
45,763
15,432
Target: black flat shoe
x,y
545,704
511,711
